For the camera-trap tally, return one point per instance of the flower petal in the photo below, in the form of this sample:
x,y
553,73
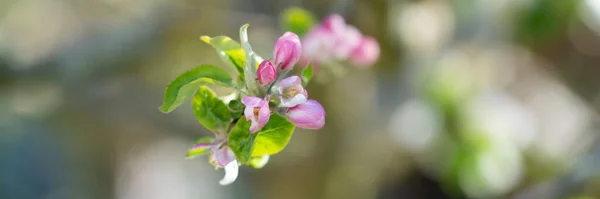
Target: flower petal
x,y
223,155
251,101
296,100
231,173
264,114
288,82
254,126
309,115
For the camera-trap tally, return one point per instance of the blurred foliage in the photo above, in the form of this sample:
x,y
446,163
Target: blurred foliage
x,y
297,20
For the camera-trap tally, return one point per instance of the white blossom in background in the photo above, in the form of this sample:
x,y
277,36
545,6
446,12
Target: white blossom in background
x,y
415,125
564,120
493,171
500,115
409,22
501,128
590,14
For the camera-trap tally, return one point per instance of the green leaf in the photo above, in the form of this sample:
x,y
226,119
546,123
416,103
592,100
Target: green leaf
x,y
241,141
236,107
199,151
307,74
297,20
268,141
184,86
251,64
229,50
273,137
258,162
210,111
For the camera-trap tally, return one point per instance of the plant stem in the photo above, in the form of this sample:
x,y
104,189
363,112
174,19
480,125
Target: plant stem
x,y
277,80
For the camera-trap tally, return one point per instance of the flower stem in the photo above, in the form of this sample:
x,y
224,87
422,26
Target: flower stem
x,y
276,80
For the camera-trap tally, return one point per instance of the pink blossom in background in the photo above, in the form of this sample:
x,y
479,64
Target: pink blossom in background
x,y
367,52
334,40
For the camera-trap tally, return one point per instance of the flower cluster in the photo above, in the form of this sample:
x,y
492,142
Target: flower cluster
x,y
334,40
268,101
290,100
291,96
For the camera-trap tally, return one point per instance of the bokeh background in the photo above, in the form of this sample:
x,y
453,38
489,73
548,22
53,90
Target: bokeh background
x,y
470,99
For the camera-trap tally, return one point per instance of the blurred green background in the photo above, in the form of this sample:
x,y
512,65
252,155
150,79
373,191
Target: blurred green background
x,y
470,99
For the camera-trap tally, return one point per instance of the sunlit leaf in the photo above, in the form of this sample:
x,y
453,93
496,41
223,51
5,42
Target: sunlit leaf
x,y
273,137
270,140
229,50
187,83
210,111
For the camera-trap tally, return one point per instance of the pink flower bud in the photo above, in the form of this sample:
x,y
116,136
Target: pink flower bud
x,y
309,115
367,52
287,51
257,111
291,91
266,73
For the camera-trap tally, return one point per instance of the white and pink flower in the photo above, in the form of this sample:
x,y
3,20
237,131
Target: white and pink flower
x,y
223,157
291,91
257,111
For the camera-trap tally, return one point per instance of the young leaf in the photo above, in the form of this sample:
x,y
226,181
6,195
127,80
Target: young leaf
x,y
307,74
241,141
229,50
297,20
184,86
210,111
271,139
251,64
198,149
236,107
